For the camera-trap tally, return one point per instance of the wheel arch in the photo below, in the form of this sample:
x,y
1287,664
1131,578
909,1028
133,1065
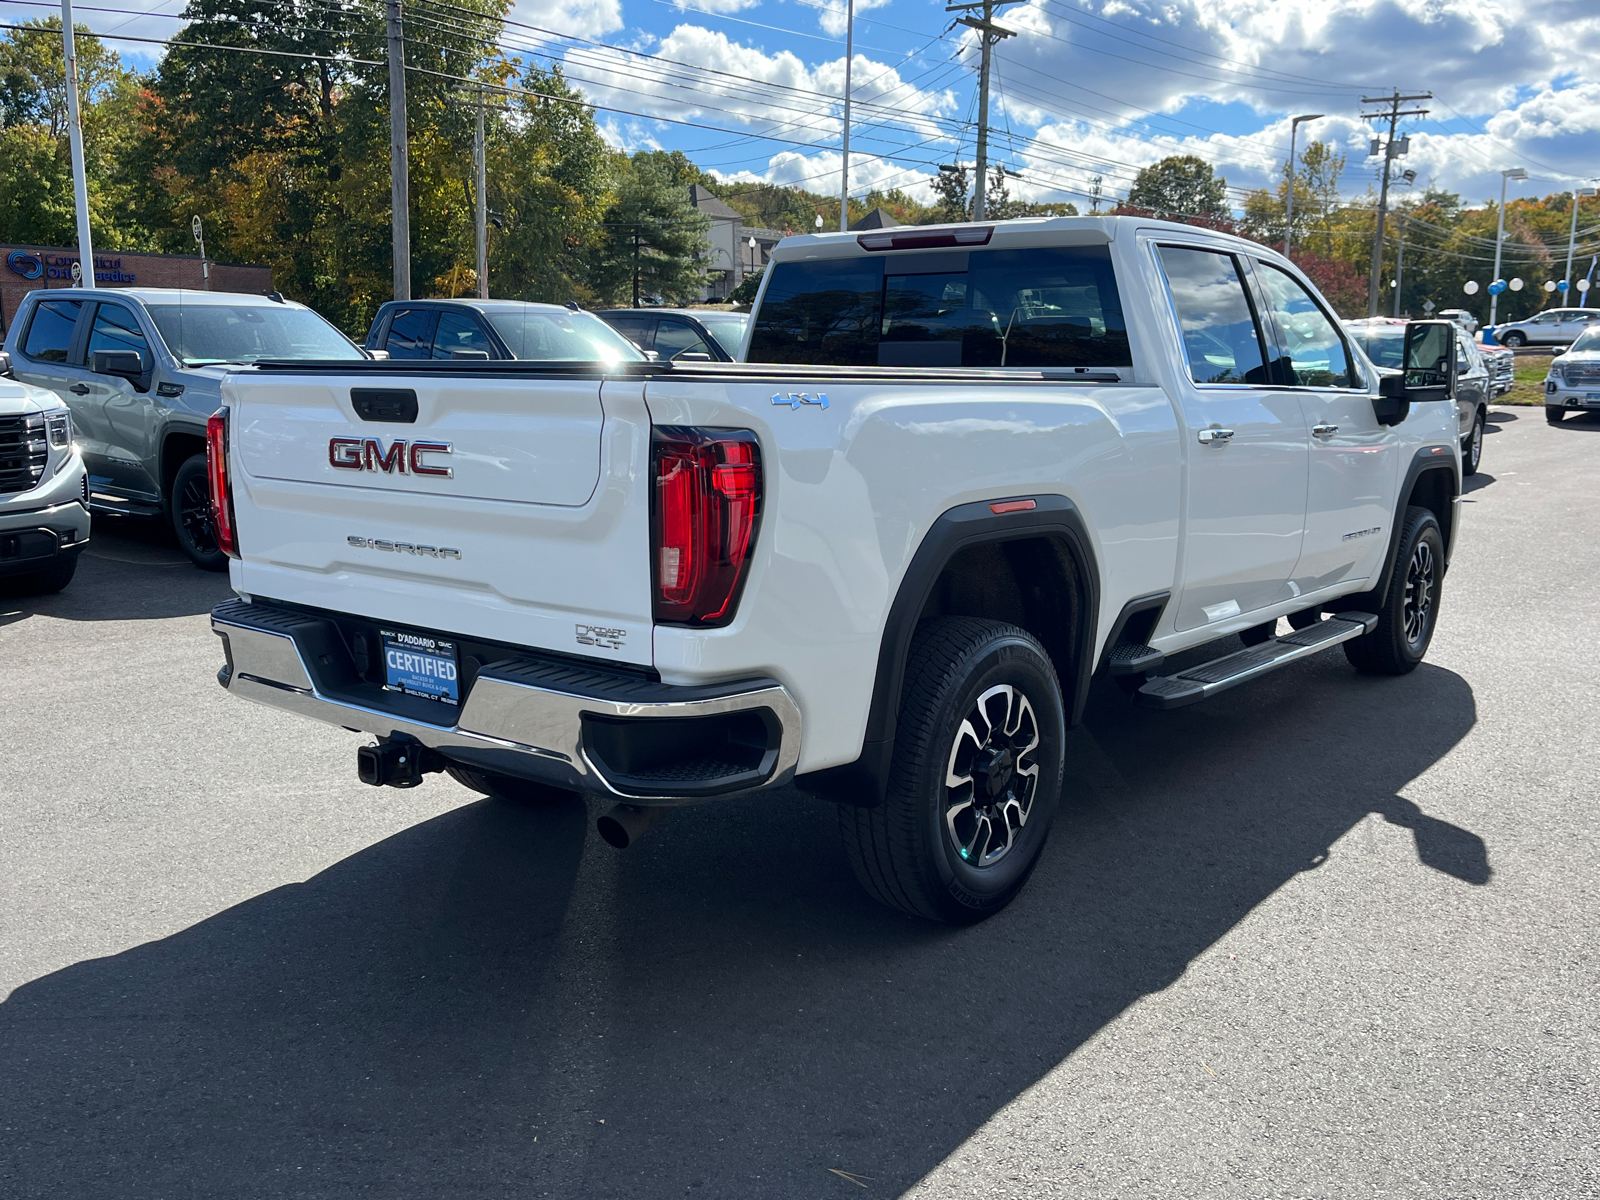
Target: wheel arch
x,y
178,445
1432,481
1035,569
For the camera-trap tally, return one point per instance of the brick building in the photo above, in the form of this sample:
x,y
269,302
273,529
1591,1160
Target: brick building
x,y
25,268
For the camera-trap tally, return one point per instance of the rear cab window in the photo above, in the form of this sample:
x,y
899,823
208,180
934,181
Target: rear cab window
x,y
50,330
411,333
1046,307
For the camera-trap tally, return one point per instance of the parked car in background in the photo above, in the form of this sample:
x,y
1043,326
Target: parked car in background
x,y
495,329
1553,327
44,495
1460,316
681,334
141,369
1384,338
1573,383
1502,364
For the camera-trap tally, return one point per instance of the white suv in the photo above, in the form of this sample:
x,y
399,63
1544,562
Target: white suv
x,y
44,514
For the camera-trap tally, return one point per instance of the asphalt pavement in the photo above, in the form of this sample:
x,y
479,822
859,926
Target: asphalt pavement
x,y
1322,936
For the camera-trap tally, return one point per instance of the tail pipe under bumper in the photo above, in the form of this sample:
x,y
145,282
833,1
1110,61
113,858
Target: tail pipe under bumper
x,y
591,729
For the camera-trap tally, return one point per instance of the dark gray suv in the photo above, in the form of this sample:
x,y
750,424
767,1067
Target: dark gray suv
x,y
141,369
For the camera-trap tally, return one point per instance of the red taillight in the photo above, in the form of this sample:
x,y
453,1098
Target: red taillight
x,y
221,490
703,518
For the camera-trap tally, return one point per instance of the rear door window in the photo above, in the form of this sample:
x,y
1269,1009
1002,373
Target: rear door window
x,y
411,333
51,329
636,329
116,328
1044,307
1220,338
459,331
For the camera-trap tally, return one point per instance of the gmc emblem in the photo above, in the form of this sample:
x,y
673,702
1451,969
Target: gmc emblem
x,y
368,454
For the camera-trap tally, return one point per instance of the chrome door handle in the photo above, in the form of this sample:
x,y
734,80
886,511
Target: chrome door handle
x,y
1211,437
79,389
1324,430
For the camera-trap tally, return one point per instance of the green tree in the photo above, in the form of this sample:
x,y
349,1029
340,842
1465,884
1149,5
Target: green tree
x,y
953,189
1181,186
654,241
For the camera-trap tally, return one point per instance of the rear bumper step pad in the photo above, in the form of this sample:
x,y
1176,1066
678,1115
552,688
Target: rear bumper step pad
x,y
1220,674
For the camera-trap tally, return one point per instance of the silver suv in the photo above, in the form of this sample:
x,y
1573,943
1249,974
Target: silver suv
x,y
1553,327
44,495
141,369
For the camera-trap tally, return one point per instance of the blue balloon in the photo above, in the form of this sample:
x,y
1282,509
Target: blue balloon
x,y
1498,286
1562,286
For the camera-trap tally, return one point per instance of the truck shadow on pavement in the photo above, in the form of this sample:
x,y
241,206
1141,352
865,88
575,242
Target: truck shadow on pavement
x,y
493,1004
132,570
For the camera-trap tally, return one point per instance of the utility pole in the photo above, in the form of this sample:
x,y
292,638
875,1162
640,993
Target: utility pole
x,y
478,99
989,35
1399,270
849,56
1391,150
1288,213
399,170
1572,241
636,267
1095,186
80,182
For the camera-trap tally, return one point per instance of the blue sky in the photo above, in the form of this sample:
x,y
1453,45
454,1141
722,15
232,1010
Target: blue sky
x,y
749,88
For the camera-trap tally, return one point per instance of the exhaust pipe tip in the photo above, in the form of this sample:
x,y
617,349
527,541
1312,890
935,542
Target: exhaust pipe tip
x,y
627,823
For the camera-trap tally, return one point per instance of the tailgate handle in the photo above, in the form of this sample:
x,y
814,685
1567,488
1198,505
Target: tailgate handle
x,y
396,406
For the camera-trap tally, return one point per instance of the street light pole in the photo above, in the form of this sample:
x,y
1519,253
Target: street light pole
x,y
80,182
1288,216
1572,241
1500,237
849,56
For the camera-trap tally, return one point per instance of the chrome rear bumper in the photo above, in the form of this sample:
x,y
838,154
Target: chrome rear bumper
x,y
595,729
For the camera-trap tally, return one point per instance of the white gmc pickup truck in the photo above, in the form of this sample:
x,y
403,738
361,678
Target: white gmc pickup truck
x,y
961,470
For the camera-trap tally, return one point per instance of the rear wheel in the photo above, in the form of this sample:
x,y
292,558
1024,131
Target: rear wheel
x,y
976,774
192,520
1554,413
1472,447
505,787
1410,611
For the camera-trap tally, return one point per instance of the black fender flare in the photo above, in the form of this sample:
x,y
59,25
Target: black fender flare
x,y
863,781
1426,459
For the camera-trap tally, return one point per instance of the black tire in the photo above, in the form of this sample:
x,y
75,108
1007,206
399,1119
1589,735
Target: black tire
x,y
505,787
1472,446
43,583
916,851
189,502
1554,413
1410,612
1513,339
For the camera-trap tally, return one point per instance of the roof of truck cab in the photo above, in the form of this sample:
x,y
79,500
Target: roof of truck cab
x,y
154,295
1020,232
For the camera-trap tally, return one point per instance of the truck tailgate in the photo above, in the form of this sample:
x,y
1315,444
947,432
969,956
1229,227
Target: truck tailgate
x,y
512,509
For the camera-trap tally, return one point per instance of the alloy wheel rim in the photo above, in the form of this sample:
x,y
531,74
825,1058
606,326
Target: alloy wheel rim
x,y
1417,609
991,776
194,511
1477,440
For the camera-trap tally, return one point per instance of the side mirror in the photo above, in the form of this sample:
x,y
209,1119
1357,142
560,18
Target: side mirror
x,y
692,356
378,355
1429,373
125,364
5,364
479,355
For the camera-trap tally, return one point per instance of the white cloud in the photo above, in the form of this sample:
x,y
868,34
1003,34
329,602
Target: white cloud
x,y
581,18
775,94
834,15
715,6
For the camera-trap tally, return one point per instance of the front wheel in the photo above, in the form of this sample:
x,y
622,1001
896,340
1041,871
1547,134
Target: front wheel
x,y
1472,448
192,519
1410,610
976,774
43,583
1554,413
1513,340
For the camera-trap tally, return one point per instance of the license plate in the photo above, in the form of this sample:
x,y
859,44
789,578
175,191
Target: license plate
x,y
417,664
1591,396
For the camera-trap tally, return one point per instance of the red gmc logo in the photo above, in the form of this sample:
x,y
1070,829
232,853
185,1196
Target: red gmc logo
x,y
368,454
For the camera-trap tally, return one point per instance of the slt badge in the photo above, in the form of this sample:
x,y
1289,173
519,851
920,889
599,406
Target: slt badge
x,y
795,399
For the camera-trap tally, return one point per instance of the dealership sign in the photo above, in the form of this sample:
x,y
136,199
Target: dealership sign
x,y
43,264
